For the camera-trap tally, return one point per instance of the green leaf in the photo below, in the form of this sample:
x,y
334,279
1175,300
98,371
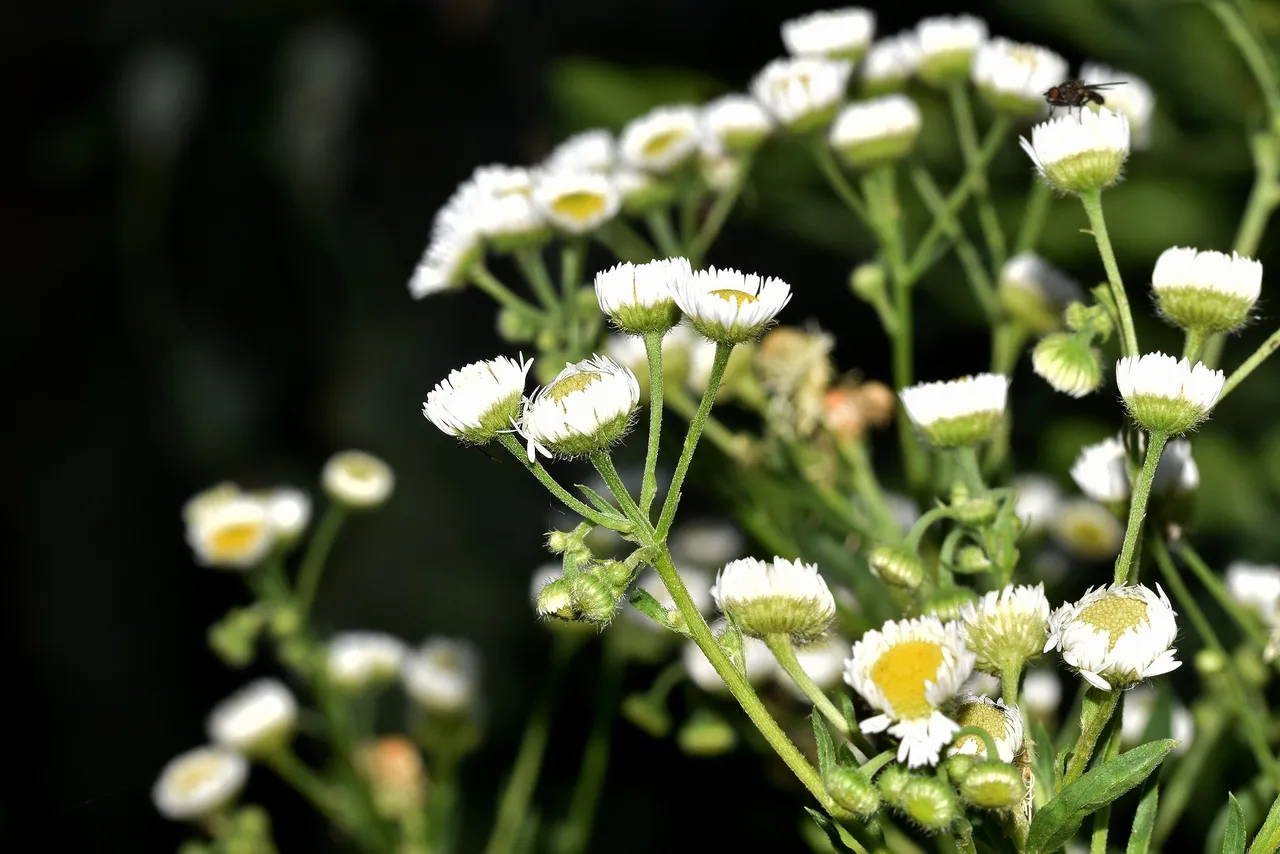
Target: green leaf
x,y
642,600
850,716
1268,838
1059,819
598,502
1144,820
589,92
826,747
1233,840
1046,772
836,832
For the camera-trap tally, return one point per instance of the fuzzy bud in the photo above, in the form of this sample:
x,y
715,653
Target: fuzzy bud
x,y
972,560
993,785
706,734
594,598
516,327
555,599
899,567
946,605
1068,362
930,803
892,783
974,511
958,766
852,790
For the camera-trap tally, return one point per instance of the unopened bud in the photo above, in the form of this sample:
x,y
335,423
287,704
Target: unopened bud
x,y
946,604
972,560
898,567
706,734
1210,662
851,789
616,573
647,715
594,598
515,327
974,511
930,803
892,783
958,766
555,599
867,281
993,786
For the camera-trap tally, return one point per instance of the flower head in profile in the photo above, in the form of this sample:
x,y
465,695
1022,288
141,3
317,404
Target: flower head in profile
x,y
357,660
576,202
1167,395
257,720
958,412
1013,77
586,408
358,479
778,597
908,670
1003,723
1116,636
831,34
1206,292
802,94
1134,100
734,124
877,131
1080,153
477,402
947,44
503,207
1102,471
443,676
199,783
1256,586
661,140
889,64
1087,529
640,298
1034,292
1007,627
730,307
589,151
1068,362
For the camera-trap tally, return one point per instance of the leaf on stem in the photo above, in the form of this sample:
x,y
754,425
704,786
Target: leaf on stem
x,y
1268,838
1233,840
835,832
598,501
642,600
1144,820
826,747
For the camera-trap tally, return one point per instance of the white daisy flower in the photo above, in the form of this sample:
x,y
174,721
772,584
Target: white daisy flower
x,y
730,307
576,202
705,543
1139,705
661,140
357,660
358,479
1165,394
868,133
1076,153
586,408
1035,293
802,94
504,208
908,670
229,530
640,298
443,676
589,151
759,663
1006,628
479,401
199,783
257,720
889,64
288,509
1041,692
455,243
1116,636
734,123
1003,723
1037,501
1134,99
1102,471
779,597
1206,291
1256,586
1013,77
959,412
1088,529
832,34
947,44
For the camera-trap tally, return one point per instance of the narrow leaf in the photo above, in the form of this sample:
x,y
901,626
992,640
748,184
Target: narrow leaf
x,y
642,600
1059,819
1233,840
1144,820
836,832
826,748
1268,838
598,502
1045,767
850,716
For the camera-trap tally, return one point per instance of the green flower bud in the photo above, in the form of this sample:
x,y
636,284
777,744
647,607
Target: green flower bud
x,y
892,783
706,734
515,326
946,604
594,598
1068,362
974,511
647,715
993,786
234,638
958,766
851,789
555,599
868,282
899,567
930,803
1210,662
972,560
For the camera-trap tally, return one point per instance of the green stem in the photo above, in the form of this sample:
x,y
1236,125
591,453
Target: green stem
x,y
288,767
317,555
967,132
1039,200
502,295
1128,564
534,268
513,808
1254,53
1092,201
984,290
649,488
1192,345
572,258
1095,712
1102,818
574,835
544,477
917,532
867,487
715,432
738,685
964,837
1255,728
625,242
1188,776
718,215
785,653
342,740
663,234
1009,678
1251,364
604,465
970,471
1243,618
913,461
831,170
442,804
696,424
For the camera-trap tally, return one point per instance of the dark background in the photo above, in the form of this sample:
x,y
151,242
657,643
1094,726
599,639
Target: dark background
x,y
223,304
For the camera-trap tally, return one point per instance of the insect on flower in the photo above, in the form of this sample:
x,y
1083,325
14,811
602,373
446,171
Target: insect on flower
x,y
1076,93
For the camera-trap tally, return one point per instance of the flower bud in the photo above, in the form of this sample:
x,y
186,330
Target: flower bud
x,y
646,714
594,598
930,803
993,785
706,734
892,783
358,479
972,560
958,766
867,281
234,638
946,605
1080,318
1210,662
515,326
974,511
896,566
1068,362
851,789
393,767
555,599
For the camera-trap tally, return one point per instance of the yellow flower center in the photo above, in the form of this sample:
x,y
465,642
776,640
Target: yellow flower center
x,y
572,383
234,540
1114,615
732,295
985,717
581,205
361,468
659,143
196,773
901,673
